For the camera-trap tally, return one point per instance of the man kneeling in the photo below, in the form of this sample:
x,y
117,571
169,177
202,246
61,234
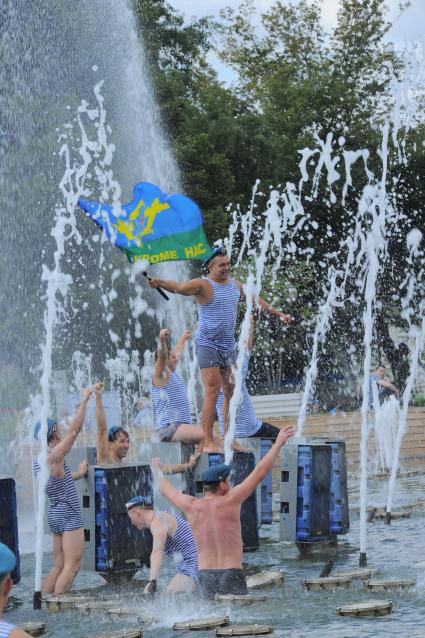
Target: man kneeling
x,y
171,535
216,523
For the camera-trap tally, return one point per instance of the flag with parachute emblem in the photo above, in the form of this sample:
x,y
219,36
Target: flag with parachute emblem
x,y
154,226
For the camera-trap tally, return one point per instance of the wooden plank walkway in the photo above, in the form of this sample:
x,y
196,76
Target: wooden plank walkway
x,y
347,427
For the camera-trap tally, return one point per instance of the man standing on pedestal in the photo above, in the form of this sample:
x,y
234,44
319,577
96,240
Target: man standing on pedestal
x,y
217,297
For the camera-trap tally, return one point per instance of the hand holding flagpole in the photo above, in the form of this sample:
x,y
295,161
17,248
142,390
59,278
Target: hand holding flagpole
x,y
161,292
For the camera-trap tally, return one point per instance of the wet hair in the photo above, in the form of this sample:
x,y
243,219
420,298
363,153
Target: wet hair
x,y
52,427
114,431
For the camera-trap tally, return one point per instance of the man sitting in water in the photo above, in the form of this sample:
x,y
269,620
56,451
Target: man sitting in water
x,y
171,535
173,421
7,565
112,446
216,523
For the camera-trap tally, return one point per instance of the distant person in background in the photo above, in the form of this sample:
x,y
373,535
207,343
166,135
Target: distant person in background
x,y
173,420
113,444
378,385
247,424
7,565
64,513
172,536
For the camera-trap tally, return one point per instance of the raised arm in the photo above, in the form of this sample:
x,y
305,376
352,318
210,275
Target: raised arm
x,y
159,373
268,308
244,489
61,449
179,500
102,435
178,348
198,288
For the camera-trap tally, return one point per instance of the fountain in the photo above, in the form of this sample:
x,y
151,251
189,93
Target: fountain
x,y
84,281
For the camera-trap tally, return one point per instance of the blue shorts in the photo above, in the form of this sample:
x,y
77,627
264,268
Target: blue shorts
x,y
214,358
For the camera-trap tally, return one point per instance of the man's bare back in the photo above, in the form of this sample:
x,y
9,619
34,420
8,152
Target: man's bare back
x,y
215,518
216,526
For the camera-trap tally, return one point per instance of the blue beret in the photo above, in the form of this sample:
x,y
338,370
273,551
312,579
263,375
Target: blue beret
x,y
215,474
139,501
7,560
218,250
51,423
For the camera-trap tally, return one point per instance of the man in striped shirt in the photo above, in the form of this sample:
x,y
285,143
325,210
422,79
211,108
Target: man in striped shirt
x,y
247,424
171,536
172,417
217,296
113,444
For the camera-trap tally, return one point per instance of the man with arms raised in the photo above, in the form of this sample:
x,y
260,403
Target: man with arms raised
x,y
215,520
113,444
217,297
173,421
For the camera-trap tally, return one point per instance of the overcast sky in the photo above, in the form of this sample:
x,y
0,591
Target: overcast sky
x,y
410,26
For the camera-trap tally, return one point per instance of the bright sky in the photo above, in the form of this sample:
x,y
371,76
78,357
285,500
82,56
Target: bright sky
x,y
410,26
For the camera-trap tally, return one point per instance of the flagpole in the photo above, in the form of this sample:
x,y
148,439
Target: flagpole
x,y
161,292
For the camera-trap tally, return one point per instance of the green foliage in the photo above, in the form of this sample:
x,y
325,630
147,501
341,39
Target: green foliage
x,y
418,400
279,352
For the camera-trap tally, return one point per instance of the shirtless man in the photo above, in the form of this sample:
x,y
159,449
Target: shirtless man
x,y
215,520
112,445
217,296
7,565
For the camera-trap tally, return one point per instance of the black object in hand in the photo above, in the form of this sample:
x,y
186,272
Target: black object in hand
x,y
161,292
151,587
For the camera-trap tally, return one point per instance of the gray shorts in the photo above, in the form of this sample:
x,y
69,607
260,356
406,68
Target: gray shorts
x,y
166,434
215,358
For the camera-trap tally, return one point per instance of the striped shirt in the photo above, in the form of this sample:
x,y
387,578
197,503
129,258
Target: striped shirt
x,y
170,403
247,423
182,548
5,628
217,318
373,381
64,514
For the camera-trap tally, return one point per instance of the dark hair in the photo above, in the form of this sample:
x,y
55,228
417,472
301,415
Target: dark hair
x,y
211,487
114,431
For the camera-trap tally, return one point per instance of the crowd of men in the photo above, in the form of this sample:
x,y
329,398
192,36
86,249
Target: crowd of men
x,y
205,563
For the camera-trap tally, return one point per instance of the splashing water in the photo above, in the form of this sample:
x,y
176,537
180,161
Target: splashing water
x,y
360,259
57,283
